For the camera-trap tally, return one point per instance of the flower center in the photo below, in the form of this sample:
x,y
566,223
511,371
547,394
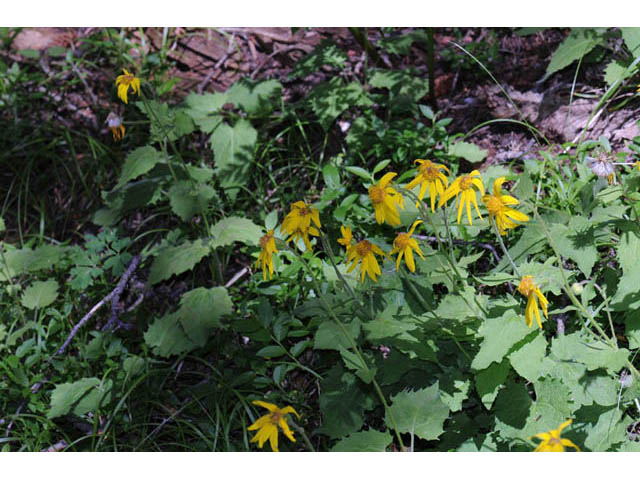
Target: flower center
x,y
264,240
363,248
465,182
376,194
429,171
402,241
494,205
275,417
303,212
526,286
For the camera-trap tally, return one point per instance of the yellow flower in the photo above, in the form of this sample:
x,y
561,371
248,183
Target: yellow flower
x,y
265,259
533,294
297,223
347,237
551,441
403,245
267,425
637,165
498,210
124,81
385,200
114,122
461,188
429,175
365,252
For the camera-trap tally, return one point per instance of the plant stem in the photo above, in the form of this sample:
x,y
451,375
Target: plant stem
x,y
504,248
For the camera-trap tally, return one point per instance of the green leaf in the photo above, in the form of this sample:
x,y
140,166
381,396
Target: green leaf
x,y
454,389
331,337
576,347
579,42
233,148
489,381
166,336
628,251
271,220
499,336
401,44
513,408
188,199
40,294
553,401
206,110
419,412
361,172
327,53
342,403
254,97
79,397
627,296
201,310
577,242
364,441
21,261
235,229
401,83
469,151
615,71
631,37
632,329
528,359
607,431
330,99
271,351
176,260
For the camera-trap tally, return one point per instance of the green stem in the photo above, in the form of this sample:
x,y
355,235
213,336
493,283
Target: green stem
x,y
504,248
350,339
300,430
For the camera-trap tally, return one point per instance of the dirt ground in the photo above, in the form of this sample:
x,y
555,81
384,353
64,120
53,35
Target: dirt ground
x,y
212,59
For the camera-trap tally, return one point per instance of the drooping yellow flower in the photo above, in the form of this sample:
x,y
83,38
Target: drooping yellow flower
x,y
346,238
533,294
551,441
265,259
498,210
462,189
297,223
385,200
124,81
430,176
267,425
114,122
404,245
364,253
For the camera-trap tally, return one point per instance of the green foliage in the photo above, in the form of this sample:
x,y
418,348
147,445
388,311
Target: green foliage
x,y
579,43
420,413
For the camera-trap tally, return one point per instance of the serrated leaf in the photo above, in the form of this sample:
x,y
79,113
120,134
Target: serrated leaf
x,y
553,401
176,260
607,431
400,83
40,294
628,251
579,42
632,329
235,229
254,97
342,403
489,381
26,260
469,151
527,360
365,441
205,110
454,389
331,336
420,412
330,99
576,347
499,336
79,397
166,336
233,149
327,53
631,37
188,199
201,310
577,242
